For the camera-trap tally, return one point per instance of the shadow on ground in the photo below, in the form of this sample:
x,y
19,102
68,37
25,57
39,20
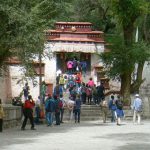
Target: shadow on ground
x,y
16,136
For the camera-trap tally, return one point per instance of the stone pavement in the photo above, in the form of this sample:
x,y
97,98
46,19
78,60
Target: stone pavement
x,y
84,136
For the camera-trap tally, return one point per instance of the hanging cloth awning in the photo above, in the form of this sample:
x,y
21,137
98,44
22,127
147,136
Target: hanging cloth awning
x,y
74,47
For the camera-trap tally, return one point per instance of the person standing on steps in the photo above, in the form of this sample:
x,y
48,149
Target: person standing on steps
x,y
28,113
26,91
100,92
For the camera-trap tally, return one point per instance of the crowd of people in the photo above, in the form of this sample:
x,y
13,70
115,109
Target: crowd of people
x,y
74,66
79,93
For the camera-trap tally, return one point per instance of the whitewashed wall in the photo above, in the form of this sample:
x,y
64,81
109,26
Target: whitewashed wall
x,y
50,69
146,75
16,75
2,89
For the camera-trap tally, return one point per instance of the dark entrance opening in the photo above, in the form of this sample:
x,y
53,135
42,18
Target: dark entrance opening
x,y
63,58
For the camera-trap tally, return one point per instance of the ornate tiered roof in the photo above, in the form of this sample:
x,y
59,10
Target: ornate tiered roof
x,y
75,37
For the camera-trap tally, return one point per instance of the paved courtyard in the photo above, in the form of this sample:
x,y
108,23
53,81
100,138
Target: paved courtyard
x,y
84,136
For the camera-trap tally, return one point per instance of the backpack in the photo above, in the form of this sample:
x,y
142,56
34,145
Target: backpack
x,y
119,104
83,90
60,104
77,78
47,105
28,104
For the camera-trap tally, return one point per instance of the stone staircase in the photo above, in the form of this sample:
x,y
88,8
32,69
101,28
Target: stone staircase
x,y
90,113
93,113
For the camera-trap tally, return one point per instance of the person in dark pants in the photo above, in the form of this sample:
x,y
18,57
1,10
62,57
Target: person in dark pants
x,y
28,113
83,93
37,110
100,92
77,109
112,108
1,116
57,109
62,109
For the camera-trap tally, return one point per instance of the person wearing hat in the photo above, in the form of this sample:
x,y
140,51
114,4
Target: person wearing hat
x,y
137,109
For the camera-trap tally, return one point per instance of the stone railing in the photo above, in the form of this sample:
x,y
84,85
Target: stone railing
x,y
12,115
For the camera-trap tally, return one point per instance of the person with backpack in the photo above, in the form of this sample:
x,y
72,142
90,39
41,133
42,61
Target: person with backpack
x,y
77,109
28,113
49,109
137,109
62,108
78,80
83,93
100,92
58,106
112,108
62,81
119,110
94,94
89,94
58,90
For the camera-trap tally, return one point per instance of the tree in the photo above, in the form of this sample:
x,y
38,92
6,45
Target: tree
x,y
123,57
22,28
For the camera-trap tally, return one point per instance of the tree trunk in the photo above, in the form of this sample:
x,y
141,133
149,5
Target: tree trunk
x,y
126,77
137,83
125,87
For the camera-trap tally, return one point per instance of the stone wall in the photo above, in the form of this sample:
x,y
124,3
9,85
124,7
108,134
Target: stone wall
x,y
12,116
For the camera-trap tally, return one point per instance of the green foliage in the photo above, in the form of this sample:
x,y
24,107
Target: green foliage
x,y
122,59
97,12
22,28
127,11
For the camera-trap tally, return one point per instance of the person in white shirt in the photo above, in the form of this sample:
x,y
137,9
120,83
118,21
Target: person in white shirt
x,y
70,106
37,110
137,109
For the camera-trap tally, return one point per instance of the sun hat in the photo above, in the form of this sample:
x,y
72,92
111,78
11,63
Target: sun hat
x,y
136,95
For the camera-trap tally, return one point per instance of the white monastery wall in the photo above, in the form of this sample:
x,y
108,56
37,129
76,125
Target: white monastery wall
x,y
3,94
146,75
16,75
50,69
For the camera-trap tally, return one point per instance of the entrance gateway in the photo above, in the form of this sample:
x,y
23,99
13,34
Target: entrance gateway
x,y
66,41
75,40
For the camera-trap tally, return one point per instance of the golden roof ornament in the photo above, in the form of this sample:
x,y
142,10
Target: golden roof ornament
x,y
73,29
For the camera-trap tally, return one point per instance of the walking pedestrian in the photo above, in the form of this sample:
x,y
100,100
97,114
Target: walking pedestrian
x,y
70,106
28,113
37,110
58,106
62,108
137,109
77,109
49,109
100,92
112,108
104,106
119,110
